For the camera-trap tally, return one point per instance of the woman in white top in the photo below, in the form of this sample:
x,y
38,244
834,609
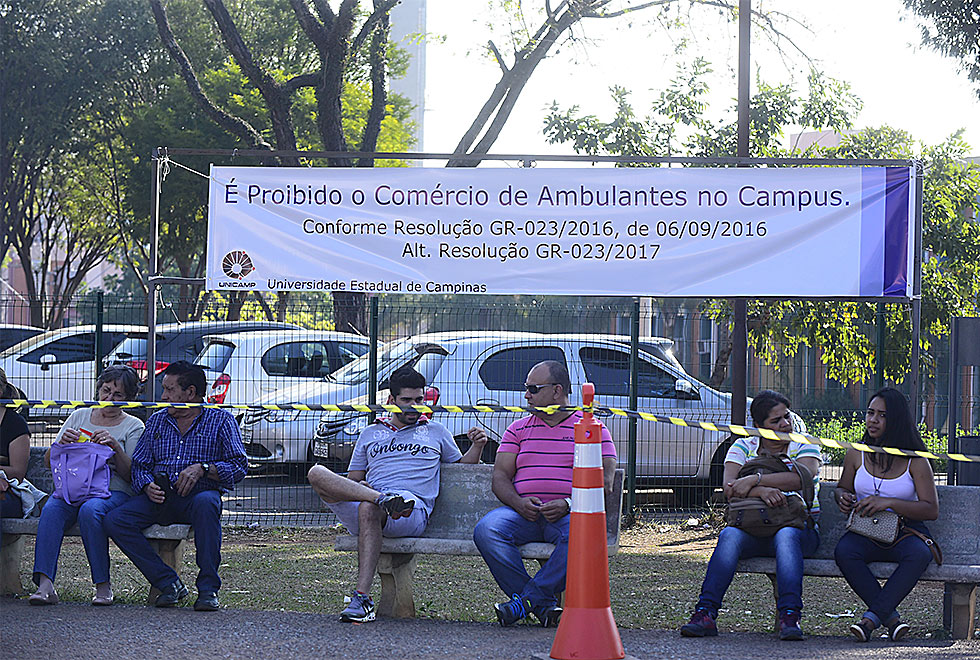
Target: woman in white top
x,y
116,429
875,482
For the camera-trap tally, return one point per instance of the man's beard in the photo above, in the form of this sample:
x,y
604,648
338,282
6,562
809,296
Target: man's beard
x,y
408,418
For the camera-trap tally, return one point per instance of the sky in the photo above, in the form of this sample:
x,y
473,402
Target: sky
x,y
864,42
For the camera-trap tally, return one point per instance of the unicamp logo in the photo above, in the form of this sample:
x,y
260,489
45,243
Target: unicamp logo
x,y
237,265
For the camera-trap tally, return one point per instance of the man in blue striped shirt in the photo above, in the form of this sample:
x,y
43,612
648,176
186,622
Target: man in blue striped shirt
x,y
185,459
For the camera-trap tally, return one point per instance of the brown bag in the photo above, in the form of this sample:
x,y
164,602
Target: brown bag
x,y
753,516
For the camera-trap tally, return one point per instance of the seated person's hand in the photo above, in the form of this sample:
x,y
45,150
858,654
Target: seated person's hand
x,y
872,504
154,493
741,487
845,500
529,508
4,487
771,496
69,436
477,436
554,509
186,479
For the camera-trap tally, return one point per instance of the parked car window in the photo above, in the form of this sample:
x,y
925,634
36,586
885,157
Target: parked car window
x,y
296,359
609,371
215,356
11,336
74,348
506,370
349,351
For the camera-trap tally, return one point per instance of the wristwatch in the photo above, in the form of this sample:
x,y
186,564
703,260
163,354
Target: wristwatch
x,y
206,467
568,501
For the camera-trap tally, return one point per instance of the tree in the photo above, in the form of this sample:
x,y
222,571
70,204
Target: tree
x,y
328,46
951,280
64,66
333,57
952,27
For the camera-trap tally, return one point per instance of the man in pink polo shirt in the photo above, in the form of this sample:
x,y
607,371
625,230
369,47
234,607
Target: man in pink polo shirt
x,y
532,477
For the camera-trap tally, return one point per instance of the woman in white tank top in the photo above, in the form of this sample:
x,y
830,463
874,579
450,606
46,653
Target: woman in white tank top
x,y
875,482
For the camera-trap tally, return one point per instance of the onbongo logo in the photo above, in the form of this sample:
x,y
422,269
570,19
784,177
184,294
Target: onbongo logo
x,y
237,264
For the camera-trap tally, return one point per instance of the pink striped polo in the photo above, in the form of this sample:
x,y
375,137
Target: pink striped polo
x,y
545,455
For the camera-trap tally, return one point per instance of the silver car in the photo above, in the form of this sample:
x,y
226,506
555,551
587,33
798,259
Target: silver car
x,y
467,368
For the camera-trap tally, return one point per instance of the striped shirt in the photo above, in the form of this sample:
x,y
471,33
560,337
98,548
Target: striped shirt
x,y
545,455
745,448
212,438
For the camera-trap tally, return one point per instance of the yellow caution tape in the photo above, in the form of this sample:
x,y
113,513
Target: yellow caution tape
x,y
734,429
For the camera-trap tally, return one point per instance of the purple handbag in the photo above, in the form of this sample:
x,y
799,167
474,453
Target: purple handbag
x,y
81,471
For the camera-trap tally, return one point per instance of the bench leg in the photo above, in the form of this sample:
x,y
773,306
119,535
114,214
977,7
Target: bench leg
x,y
172,554
10,553
397,571
963,609
775,599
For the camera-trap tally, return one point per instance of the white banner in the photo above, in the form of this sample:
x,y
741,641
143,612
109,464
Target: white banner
x,y
813,232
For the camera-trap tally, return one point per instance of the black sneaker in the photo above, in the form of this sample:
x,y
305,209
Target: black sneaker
x,y
897,630
171,594
789,626
701,625
395,505
513,610
862,630
549,616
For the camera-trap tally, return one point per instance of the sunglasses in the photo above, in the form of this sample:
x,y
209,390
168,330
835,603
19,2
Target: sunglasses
x,y
534,389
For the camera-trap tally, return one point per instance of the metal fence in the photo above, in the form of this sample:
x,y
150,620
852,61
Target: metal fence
x,y
472,350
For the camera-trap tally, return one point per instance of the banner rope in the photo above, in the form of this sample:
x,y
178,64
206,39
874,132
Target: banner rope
x,y
599,411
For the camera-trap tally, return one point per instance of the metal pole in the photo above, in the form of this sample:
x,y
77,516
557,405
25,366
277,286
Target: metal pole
x,y
880,346
99,326
953,408
739,305
916,296
634,403
373,354
151,288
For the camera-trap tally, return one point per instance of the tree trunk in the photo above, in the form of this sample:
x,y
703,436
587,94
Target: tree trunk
x,y
720,371
350,312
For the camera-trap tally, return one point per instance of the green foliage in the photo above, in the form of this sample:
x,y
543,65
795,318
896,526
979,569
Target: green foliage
x,y
952,27
850,428
843,331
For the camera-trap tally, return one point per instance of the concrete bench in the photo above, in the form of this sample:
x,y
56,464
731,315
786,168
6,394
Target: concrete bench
x,y
168,540
464,497
957,531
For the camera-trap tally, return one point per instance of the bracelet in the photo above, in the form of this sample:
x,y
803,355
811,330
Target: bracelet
x,y
759,479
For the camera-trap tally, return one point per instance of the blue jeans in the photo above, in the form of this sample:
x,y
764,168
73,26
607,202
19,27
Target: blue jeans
x,y
57,516
789,546
201,509
854,552
498,536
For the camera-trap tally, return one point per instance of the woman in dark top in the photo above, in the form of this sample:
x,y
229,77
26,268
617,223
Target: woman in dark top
x,y
15,448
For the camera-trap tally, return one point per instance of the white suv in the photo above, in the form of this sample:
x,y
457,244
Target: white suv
x,y
469,368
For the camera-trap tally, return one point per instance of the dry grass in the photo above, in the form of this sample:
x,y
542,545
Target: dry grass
x,y
654,581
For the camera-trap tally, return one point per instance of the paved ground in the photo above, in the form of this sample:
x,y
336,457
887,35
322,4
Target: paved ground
x,y
73,630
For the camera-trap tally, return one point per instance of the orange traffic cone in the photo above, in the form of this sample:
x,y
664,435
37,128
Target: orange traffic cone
x,y
587,630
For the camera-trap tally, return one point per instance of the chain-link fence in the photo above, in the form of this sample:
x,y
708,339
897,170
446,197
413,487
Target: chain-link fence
x,y
472,350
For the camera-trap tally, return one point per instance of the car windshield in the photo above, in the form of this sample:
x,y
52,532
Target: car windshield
x,y
215,356
357,371
131,347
